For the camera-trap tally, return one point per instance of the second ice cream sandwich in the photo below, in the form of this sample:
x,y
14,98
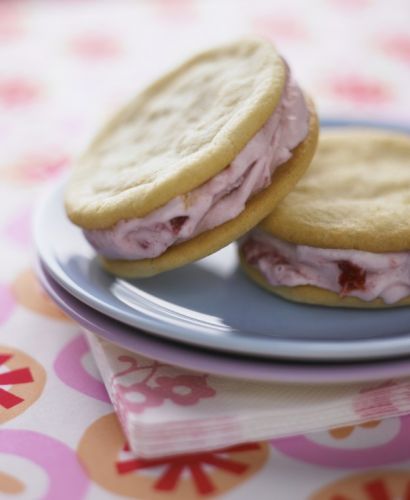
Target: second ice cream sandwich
x,y
342,236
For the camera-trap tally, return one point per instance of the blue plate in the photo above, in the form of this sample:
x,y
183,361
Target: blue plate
x,y
211,303
217,363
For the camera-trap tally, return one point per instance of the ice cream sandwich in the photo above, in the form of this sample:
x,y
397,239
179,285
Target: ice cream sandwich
x,y
194,161
342,236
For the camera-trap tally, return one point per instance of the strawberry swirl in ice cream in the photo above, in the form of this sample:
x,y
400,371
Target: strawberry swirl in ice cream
x,y
364,275
220,199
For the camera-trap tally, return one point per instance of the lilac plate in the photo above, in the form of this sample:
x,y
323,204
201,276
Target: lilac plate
x,y
217,363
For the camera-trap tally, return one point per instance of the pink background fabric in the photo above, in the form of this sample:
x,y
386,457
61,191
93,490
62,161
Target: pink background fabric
x,y
64,68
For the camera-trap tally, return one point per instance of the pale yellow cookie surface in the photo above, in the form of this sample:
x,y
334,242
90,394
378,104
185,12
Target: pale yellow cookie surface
x,y
355,195
316,296
258,207
178,133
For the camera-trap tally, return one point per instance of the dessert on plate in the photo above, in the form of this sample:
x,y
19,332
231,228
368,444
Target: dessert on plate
x,y
342,236
194,161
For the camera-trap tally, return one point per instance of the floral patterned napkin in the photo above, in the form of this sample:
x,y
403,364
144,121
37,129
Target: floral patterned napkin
x,y
165,410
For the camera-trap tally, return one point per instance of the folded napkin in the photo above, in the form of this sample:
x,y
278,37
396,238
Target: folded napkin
x,y
165,410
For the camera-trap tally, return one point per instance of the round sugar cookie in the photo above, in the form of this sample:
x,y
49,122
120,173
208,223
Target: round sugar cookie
x,y
176,134
355,195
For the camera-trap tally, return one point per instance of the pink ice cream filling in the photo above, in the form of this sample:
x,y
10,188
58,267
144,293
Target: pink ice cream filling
x,y
365,275
218,200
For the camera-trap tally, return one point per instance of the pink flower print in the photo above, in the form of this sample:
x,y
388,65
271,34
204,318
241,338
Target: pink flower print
x,y
360,90
398,46
173,11
184,390
133,366
376,401
139,387
10,22
95,46
17,92
287,28
41,166
138,397
18,228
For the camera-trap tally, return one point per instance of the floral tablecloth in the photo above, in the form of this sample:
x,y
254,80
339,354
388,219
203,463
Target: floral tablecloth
x,y
64,66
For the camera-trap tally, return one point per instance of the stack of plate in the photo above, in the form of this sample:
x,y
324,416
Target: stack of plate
x,y
207,316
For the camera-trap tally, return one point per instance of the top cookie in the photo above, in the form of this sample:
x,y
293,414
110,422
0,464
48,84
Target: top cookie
x,y
178,133
355,194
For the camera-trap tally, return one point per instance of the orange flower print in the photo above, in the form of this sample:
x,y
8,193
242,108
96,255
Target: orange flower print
x,y
194,465
21,382
345,432
113,466
18,376
28,292
10,485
